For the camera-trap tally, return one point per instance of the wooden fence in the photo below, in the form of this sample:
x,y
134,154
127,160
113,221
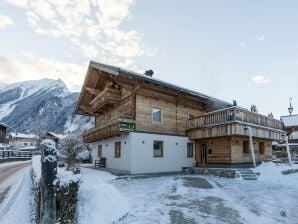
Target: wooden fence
x,y
15,154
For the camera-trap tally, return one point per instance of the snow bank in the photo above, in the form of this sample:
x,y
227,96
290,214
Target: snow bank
x,y
99,201
272,173
65,177
36,168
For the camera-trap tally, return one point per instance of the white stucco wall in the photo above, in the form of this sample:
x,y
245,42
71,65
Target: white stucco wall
x,y
174,155
108,151
137,157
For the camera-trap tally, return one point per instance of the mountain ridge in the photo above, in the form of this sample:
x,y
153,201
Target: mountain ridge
x,y
45,104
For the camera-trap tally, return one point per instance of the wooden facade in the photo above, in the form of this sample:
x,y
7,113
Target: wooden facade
x,y
122,101
3,129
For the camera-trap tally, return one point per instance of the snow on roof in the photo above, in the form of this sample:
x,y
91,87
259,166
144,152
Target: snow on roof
x,y
117,70
21,135
59,136
4,125
290,121
28,148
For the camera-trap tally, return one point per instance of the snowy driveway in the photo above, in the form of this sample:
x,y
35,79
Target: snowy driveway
x,y
196,199
189,199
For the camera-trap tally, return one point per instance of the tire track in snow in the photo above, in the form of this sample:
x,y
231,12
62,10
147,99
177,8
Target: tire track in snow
x,y
4,208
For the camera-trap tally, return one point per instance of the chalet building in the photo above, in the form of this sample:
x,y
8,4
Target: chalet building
x,y
290,123
25,142
3,129
291,126
144,125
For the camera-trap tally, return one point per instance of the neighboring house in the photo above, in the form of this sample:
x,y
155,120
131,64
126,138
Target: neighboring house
x,y
3,130
3,139
291,126
53,136
145,125
291,123
24,142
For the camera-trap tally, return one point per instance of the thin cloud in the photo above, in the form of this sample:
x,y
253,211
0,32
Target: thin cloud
x,y
5,21
17,70
252,41
260,79
94,27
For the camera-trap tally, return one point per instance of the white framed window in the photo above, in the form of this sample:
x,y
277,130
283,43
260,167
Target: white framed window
x,y
99,151
156,115
117,150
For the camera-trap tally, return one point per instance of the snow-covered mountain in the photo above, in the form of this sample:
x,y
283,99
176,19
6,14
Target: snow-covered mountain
x,y
39,105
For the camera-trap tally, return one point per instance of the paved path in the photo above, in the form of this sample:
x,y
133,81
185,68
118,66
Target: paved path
x,y
8,179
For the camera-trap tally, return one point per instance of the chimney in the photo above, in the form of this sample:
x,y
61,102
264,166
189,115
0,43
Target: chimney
x,y
149,73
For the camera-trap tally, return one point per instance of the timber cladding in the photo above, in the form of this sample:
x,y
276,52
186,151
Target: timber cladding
x,y
218,150
174,114
230,150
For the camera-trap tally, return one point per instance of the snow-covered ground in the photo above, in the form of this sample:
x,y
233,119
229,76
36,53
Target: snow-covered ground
x,y
15,208
190,198
99,201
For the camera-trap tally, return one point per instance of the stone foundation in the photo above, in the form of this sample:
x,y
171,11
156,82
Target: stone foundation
x,y
217,172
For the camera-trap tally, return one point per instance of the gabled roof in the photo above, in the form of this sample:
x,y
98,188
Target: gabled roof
x,y
4,125
21,135
118,70
135,75
290,121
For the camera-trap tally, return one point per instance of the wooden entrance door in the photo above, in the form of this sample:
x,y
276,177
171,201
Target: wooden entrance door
x,y
203,155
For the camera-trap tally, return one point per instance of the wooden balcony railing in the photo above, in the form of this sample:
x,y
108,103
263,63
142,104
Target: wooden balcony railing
x,y
109,129
232,115
106,99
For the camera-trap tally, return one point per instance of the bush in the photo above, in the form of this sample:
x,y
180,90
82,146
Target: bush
x,y
66,201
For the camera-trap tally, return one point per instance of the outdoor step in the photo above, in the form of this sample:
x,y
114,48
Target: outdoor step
x,y
247,174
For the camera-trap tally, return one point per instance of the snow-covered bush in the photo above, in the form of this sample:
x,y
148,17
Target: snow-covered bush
x,y
69,150
67,187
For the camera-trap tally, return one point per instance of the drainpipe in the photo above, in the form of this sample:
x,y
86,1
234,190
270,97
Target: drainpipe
x,y
251,146
288,149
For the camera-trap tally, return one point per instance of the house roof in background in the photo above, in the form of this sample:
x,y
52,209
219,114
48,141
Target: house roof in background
x,y
21,135
4,125
290,121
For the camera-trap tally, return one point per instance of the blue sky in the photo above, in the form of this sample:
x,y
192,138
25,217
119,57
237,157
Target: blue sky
x,y
243,50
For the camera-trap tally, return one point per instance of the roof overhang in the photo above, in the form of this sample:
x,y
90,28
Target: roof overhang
x,y
106,70
4,125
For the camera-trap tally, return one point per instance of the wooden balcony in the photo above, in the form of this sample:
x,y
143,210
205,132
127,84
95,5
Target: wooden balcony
x,y
108,98
112,128
234,121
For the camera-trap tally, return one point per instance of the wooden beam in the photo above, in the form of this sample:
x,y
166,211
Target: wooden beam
x,y
86,109
92,91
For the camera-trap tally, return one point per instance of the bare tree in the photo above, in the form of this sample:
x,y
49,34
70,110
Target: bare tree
x,y
69,149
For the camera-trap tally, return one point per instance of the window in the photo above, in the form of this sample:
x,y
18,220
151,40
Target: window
x,y
245,147
157,149
31,144
25,143
262,148
120,113
190,150
209,151
99,151
156,115
190,116
117,149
